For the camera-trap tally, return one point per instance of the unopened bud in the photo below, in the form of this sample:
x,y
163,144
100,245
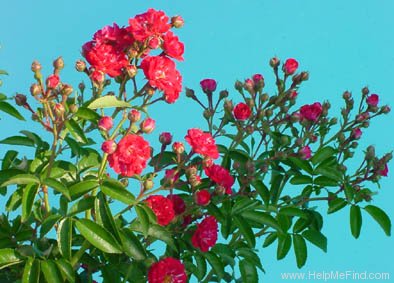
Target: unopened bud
x,y
20,99
207,114
249,129
165,138
365,91
333,121
35,89
134,115
148,125
73,108
268,113
274,62
385,109
304,76
105,123
178,147
228,105
238,86
67,90
177,22
58,64
131,71
80,66
58,108
148,184
190,93
250,102
223,94
150,91
346,95
370,154
264,97
109,146
81,86
36,67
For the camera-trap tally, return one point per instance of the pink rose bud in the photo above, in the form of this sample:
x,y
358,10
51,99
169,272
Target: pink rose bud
x,y
305,152
35,89
148,125
20,99
80,66
373,100
178,147
154,43
165,138
249,85
134,115
293,94
356,133
171,176
242,111
131,71
177,22
257,78
290,66
53,81
384,172
36,66
274,62
97,77
208,85
109,146
202,197
58,64
105,123
58,109
386,109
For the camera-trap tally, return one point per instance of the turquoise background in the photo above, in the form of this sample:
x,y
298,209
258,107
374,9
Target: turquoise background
x,y
344,44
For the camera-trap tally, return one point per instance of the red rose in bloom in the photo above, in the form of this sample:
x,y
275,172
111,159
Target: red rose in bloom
x,y
220,176
130,156
118,37
242,111
161,73
208,85
178,203
290,66
305,152
168,270
373,100
202,197
206,234
202,143
311,112
105,58
163,209
53,81
172,46
149,24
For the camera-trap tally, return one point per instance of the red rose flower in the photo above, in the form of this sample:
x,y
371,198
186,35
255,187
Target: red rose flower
x,y
373,100
305,152
311,112
53,81
162,208
221,176
161,73
105,123
168,270
202,197
257,78
172,46
206,234
208,85
178,203
118,37
290,66
149,24
242,111
131,155
202,143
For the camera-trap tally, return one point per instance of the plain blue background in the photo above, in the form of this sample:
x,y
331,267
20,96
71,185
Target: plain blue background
x,y
344,44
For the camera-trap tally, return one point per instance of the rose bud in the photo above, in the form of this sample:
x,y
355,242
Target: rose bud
x,y
171,176
178,203
154,43
373,100
356,133
36,67
274,62
134,115
293,94
20,99
385,109
202,197
370,154
148,184
228,105
208,85
178,147
249,86
242,111
35,89
131,71
58,109
194,180
177,22
109,146
223,94
105,123
290,66
73,108
81,86
67,90
53,81
80,66
97,78
165,138
305,152
238,86
190,93
58,64
148,125
304,76
346,95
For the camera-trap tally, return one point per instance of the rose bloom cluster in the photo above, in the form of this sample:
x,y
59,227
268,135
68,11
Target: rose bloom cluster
x,y
113,49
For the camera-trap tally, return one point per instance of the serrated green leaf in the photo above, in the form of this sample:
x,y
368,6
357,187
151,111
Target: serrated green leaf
x,y
325,182
216,264
21,179
11,110
143,218
108,101
82,205
87,114
380,217
104,216
201,269
57,186
300,250
66,270
48,224
270,239
9,257
303,164
294,211
355,220
262,190
301,180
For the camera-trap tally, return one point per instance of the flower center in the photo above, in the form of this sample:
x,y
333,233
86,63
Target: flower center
x,y
168,279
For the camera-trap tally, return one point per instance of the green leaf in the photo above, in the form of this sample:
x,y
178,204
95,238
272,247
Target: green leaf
x,y
248,272
270,239
104,216
64,237
142,216
132,245
11,110
355,220
262,190
31,272
325,182
158,232
316,238
330,172
239,155
381,217
87,114
18,140
323,154
48,224
9,159
216,264
303,164
51,272
349,192
66,269
2,72
249,255
82,205
163,159
243,204
98,236
301,180
29,195
245,230
201,269
108,101
300,250
284,244
76,131
294,211
336,204
263,218
82,188
21,179
58,186
9,257
116,190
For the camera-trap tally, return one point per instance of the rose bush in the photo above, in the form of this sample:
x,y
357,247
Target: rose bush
x,y
92,203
